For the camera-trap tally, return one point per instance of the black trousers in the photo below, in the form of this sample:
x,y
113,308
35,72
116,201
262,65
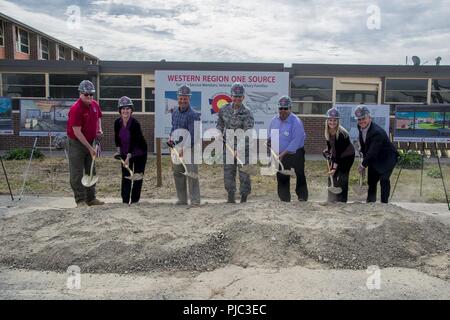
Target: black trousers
x,y
372,180
137,164
296,161
340,179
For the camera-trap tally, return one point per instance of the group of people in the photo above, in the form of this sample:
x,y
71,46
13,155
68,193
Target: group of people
x,y
84,130
377,153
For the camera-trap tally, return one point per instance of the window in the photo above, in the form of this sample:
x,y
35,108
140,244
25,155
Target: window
x,y
406,90
23,86
149,99
112,87
66,86
61,53
75,55
2,34
44,49
347,96
22,41
310,107
440,91
311,95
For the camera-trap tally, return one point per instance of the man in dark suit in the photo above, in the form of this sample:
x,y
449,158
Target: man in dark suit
x,y
380,155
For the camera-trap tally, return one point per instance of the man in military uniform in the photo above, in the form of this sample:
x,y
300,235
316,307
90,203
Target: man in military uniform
x,y
236,115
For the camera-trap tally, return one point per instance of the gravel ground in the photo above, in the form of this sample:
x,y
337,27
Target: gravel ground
x,y
177,245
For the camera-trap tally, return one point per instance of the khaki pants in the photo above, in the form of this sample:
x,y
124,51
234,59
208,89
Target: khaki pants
x,y
183,183
80,161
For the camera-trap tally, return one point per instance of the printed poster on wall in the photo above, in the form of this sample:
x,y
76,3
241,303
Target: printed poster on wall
x,y
211,91
44,117
6,122
378,112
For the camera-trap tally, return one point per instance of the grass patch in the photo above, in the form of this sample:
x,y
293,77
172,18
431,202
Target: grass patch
x,y
50,176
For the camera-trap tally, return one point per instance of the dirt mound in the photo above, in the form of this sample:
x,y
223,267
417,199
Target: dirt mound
x,y
168,238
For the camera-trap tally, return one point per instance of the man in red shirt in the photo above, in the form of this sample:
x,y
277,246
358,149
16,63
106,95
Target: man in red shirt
x,y
83,127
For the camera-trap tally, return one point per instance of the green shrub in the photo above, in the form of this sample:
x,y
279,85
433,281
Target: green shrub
x,y
353,179
434,173
410,160
22,153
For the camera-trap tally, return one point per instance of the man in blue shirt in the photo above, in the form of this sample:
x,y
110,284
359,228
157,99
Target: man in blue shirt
x,y
291,141
184,117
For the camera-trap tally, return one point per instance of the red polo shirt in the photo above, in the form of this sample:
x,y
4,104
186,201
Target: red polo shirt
x,y
85,117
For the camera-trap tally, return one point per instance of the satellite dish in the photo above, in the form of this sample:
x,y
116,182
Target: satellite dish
x,y
416,60
438,60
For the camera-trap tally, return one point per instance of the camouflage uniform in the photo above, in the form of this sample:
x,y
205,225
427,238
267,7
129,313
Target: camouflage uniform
x,y
241,118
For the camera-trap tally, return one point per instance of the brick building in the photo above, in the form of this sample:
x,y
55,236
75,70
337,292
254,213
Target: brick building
x,y
19,41
314,88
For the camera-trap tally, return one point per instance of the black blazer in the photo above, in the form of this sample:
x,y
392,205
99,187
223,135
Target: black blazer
x,y
341,144
378,151
136,137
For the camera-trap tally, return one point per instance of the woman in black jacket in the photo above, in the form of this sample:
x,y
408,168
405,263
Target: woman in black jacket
x,y
132,148
340,152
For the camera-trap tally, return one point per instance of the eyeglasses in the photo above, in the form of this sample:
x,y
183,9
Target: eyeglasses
x,y
360,119
88,94
283,108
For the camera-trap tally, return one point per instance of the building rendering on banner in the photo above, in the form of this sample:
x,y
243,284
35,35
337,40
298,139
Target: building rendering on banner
x,y
314,88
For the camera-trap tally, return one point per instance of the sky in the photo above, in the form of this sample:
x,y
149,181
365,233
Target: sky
x,y
286,31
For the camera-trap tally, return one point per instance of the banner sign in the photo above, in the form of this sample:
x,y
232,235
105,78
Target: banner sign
x,y
211,91
422,123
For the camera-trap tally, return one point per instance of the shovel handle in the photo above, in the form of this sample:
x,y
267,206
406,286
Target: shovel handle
x,y
92,166
232,152
178,156
276,157
117,157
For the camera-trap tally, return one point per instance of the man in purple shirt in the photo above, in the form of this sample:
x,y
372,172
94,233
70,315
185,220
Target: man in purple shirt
x,y
291,141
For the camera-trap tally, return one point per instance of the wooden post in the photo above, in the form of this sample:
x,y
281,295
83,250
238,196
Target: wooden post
x,y
158,163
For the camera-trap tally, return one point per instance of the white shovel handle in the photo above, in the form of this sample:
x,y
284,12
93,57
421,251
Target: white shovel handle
x,y
179,158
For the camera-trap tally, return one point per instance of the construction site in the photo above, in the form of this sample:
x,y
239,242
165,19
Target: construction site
x,y
262,249
93,94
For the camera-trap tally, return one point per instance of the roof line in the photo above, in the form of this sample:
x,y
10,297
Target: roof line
x,y
23,25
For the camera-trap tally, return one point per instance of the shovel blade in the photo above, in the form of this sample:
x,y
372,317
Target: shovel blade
x,y
288,172
135,177
335,190
89,181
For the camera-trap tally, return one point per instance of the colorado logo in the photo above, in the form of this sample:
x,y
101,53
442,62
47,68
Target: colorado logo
x,y
218,101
